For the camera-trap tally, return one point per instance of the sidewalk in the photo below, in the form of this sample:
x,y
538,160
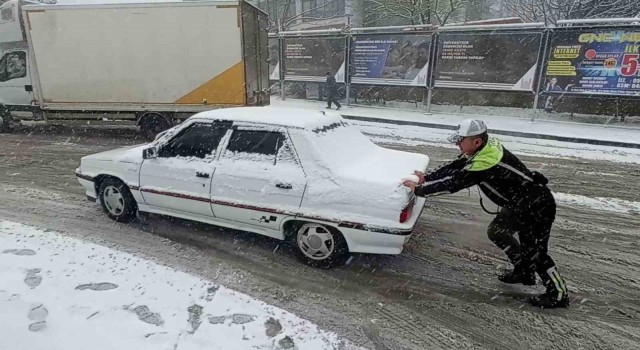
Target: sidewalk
x,y
595,134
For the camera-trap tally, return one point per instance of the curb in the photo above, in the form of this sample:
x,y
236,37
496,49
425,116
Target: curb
x,y
501,132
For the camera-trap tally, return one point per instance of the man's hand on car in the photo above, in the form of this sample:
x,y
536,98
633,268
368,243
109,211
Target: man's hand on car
x,y
412,185
420,176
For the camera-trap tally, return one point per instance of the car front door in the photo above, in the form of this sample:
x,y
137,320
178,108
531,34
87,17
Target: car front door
x,y
178,180
258,178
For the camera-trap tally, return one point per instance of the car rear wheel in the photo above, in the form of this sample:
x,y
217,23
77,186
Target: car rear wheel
x,y
117,201
320,245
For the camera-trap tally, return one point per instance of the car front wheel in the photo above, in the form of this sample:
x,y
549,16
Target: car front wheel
x,y
117,201
321,246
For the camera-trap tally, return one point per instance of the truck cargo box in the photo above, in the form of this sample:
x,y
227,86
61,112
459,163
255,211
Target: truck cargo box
x,y
175,57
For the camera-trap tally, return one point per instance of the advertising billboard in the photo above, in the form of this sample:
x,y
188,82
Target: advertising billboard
x,y
390,59
487,60
310,58
594,61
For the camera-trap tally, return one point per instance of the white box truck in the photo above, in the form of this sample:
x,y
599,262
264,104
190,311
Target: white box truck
x,y
155,62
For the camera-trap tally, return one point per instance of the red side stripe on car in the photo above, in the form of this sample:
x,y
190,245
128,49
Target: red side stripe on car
x,y
346,224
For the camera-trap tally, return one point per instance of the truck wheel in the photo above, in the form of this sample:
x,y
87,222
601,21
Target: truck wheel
x,y
319,245
151,124
5,119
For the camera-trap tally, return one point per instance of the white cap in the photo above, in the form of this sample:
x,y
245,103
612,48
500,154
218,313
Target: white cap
x,y
468,127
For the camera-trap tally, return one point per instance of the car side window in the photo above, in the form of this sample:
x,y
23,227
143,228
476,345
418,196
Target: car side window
x,y
258,142
199,140
286,154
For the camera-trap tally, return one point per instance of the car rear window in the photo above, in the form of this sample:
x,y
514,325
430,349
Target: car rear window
x,y
257,142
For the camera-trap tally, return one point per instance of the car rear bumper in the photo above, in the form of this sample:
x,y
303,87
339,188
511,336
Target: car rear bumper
x,y
390,240
374,242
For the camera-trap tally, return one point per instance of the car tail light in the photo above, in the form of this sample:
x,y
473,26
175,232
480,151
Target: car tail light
x,y
406,212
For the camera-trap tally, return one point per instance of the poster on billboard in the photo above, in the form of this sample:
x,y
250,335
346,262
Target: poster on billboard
x,y
594,61
489,60
390,59
274,59
310,58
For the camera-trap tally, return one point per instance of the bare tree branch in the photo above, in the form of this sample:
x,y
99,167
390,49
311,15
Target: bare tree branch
x,y
550,11
304,13
283,13
412,11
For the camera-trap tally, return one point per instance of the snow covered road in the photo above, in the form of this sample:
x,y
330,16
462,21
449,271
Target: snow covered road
x,y
442,292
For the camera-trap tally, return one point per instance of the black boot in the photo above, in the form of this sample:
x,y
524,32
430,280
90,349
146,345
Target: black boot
x,y
518,276
550,300
557,294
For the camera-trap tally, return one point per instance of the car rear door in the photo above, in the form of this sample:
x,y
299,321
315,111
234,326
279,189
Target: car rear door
x,y
258,177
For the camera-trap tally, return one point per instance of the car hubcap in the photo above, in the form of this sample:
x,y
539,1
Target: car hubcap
x,y
315,241
113,200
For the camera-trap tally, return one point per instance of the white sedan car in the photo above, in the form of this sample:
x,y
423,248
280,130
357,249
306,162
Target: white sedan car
x,y
298,175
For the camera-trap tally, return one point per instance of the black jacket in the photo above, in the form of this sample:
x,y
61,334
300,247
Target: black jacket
x,y
498,173
331,85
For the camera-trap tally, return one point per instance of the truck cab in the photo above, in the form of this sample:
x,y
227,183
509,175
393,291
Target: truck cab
x,y
16,91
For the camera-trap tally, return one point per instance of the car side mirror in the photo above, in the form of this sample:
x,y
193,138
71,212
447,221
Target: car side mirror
x,y
150,153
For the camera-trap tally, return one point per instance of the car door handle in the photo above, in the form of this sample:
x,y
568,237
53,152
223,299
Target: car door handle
x,y
283,186
28,88
202,175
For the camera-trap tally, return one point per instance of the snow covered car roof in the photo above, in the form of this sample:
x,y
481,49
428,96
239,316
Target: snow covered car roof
x,y
291,117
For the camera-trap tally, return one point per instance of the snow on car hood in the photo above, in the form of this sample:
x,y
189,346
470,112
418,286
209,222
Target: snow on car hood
x,y
129,154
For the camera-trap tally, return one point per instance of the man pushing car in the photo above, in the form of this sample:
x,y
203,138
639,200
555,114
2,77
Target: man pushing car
x,y
527,206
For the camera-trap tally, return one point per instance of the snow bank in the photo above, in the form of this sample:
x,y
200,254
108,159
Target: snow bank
x,y
598,203
415,135
62,293
496,122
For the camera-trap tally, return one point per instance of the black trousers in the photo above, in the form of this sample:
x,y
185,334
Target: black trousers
x,y
332,97
529,253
